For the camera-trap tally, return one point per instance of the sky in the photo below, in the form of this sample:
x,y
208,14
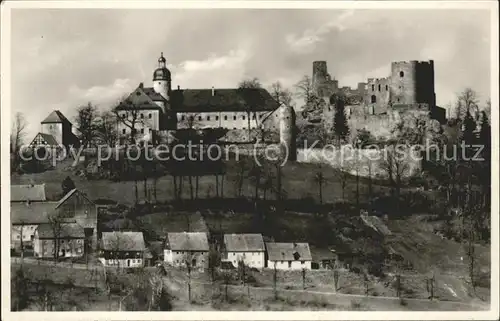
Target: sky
x,y
64,58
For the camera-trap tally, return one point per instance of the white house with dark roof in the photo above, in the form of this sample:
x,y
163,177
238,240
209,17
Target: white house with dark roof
x,y
69,238
123,249
246,248
288,256
187,248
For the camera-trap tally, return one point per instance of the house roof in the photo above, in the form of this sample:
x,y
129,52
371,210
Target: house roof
x,y
56,117
223,100
288,251
141,98
123,241
187,241
32,213
47,231
23,193
49,139
319,254
69,194
244,242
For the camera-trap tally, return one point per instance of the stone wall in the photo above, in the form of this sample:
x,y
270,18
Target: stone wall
x,y
361,161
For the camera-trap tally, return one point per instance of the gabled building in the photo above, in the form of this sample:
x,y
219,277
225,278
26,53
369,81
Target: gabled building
x,y
56,130
76,205
67,239
27,193
123,249
187,249
288,256
246,248
25,217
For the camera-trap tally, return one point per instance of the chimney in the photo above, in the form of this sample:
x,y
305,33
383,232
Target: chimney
x,y
178,87
213,91
141,85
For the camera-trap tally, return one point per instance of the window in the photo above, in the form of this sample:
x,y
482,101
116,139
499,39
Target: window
x,y
378,87
243,117
150,115
124,131
183,117
401,74
199,117
386,87
142,130
225,117
234,117
216,117
142,115
373,99
289,264
373,87
208,117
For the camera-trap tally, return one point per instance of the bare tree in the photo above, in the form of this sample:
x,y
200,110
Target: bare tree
x,y
17,135
56,223
106,129
128,115
320,179
342,174
396,167
281,95
86,122
303,278
305,89
466,101
275,281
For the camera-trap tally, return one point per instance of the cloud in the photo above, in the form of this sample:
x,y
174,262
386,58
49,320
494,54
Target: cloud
x,y
307,41
218,71
102,95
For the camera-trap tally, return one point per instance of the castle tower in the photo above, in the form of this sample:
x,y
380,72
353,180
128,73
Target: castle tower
x,y
286,116
162,82
412,82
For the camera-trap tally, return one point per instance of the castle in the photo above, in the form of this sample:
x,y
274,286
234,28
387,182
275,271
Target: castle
x,y
153,113
378,103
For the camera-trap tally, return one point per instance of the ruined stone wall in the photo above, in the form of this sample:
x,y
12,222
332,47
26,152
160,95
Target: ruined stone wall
x,y
377,94
363,162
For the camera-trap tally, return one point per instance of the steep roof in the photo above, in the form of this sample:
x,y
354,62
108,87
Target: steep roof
x,y
46,231
243,242
223,100
319,253
187,241
123,241
23,193
56,117
69,194
49,139
33,213
141,98
288,251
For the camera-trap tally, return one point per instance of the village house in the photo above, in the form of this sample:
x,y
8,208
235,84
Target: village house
x,y
123,249
288,256
27,193
77,206
246,248
25,218
68,239
187,249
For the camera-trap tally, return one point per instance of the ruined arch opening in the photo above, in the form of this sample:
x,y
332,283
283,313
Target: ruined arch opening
x,y
373,99
401,74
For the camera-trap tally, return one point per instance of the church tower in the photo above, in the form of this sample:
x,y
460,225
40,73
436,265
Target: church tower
x,y
162,82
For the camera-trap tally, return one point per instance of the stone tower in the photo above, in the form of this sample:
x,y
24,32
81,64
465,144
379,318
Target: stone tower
x,y
322,83
413,83
286,116
162,82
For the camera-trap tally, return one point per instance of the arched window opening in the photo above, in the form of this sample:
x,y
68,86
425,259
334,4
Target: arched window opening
x,y
401,74
373,99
